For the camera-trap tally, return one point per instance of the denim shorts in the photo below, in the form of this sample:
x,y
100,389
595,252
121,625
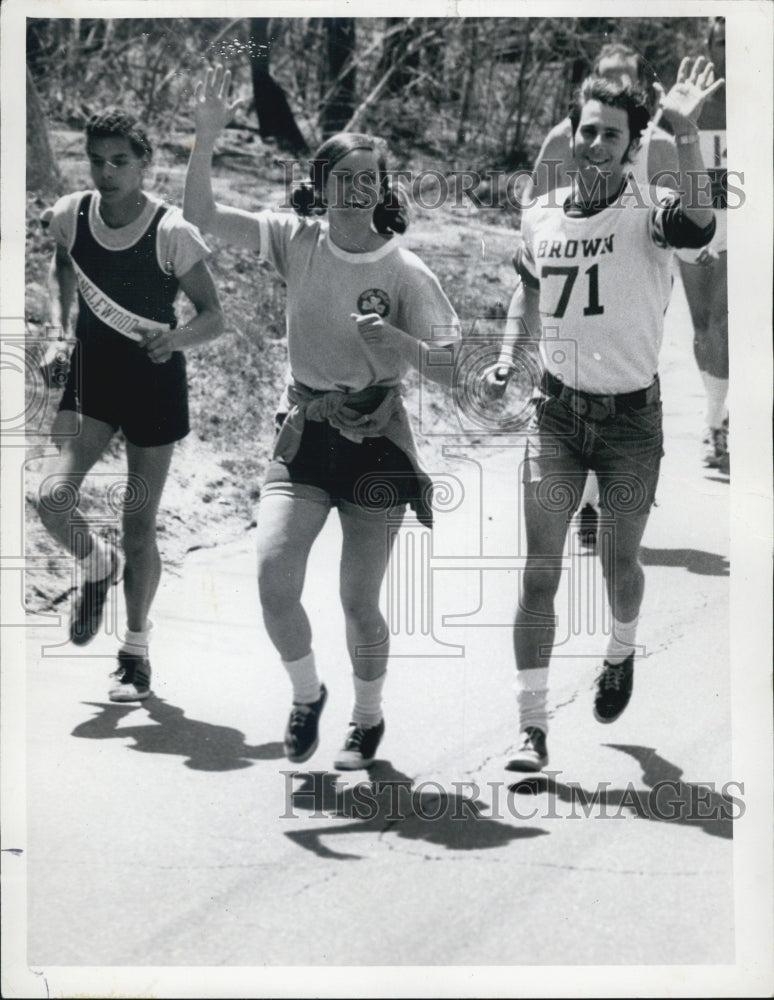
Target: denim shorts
x,y
624,450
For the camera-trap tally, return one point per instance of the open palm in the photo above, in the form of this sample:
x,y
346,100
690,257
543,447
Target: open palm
x,y
212,107
695,83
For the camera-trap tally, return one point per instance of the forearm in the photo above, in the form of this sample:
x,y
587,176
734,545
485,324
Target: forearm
x,y
204,326
696,201
61,294
424,356
522,326
198,200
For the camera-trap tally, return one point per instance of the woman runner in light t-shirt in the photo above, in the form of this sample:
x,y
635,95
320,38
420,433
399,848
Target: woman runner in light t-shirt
x,y
361,310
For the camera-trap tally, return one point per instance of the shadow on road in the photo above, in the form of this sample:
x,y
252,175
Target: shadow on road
x,y
390,803
694,560
668,800
207,747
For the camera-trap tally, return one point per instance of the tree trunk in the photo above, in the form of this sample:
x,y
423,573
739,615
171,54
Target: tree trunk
x,y
42,170
275,118
337,110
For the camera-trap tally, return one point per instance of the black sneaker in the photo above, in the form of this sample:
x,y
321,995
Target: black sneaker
x,y
360,746
301,735
86,617
131,682
614,689
588,522
532,755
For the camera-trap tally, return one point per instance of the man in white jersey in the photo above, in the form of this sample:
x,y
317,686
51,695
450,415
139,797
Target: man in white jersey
x,y
595,265
655,156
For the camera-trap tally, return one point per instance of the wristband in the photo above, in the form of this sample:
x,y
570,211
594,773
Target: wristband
x,y
688,139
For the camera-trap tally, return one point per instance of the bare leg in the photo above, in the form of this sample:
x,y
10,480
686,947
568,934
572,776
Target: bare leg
x,y
287,529
148,468
81,441
368,541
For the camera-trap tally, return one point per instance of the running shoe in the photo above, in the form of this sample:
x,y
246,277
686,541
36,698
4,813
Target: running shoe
x,y
301,735
89,606
131,681
614,689
715,447
360,747
532,755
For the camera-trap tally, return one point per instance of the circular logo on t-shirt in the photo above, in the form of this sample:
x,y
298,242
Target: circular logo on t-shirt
x,y
374,300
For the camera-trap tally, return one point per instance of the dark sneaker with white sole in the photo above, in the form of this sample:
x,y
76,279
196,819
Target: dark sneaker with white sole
x,y
131,681
360,746
89,606
614,689
301,734
532,755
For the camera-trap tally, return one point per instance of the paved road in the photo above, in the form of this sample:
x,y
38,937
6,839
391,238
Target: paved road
x,y
176,834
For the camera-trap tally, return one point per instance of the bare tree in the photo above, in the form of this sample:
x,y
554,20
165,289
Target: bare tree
x,y
42,170
341,74
275,117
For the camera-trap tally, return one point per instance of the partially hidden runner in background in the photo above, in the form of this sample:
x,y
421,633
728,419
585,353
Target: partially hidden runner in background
x,y
361,310
705,271
656,155
596,268
127,254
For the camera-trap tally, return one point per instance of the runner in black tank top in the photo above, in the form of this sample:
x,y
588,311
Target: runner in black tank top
x,y
127,255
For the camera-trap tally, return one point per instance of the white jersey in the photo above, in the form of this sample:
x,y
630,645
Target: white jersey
x,y
604,282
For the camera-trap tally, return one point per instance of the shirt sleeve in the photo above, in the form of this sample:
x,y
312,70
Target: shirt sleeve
x,y
524,259
426,312
277,230
669,226
180,244
61,224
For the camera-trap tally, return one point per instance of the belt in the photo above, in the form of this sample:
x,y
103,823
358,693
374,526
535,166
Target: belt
x,y
586,404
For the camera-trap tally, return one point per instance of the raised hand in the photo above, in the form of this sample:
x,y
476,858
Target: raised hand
x,y
695,84
212,107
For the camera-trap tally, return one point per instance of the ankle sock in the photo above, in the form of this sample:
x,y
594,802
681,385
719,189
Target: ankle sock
x,y
621,642
368,700
531,687
303,677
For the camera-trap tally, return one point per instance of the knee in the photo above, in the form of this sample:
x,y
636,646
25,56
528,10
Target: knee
x,y
539,584
624,572
361,611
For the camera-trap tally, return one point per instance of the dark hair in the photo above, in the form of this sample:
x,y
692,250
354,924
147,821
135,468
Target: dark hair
x,y
390,212
615,94
114,123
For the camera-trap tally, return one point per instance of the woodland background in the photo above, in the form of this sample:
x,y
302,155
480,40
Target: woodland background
x,y
447,94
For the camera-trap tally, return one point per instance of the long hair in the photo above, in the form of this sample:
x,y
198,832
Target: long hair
x,y
390,211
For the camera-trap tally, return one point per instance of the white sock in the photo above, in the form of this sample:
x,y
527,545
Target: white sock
x,y
303,677
531,689
368,700
136,643
99,561
717,393
590,491
621,643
